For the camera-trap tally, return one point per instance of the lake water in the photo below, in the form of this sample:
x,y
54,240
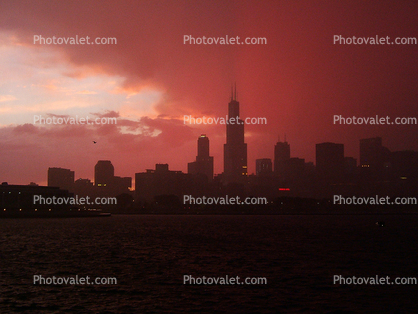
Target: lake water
x,y
149,255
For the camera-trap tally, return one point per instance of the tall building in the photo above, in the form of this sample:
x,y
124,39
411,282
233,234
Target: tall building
x,y
104,173
263,167
105,181
294,169
330,162
281,156
374,159
350,169
62,178
204,162
235,149
371,152
405,172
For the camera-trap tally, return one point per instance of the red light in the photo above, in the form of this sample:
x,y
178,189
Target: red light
x,y
284,189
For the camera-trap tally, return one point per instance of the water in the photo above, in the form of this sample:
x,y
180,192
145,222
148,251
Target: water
x,y
299,255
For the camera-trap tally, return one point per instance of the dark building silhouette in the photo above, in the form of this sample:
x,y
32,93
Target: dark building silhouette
x,y
83,183
105,181
405,164
84,187
293,175
371,153
20,198
204,163
374,160
263,167
235,149
330,162
104,173
281,155
294,169
405,172
27,201
62,178
121,184
350,169
162,181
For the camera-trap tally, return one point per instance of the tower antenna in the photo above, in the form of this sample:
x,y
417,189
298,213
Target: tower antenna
x,y
235,90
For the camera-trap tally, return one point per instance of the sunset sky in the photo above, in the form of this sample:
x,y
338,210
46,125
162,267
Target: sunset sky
x,y
149,80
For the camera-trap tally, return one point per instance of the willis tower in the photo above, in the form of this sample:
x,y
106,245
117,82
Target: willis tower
x,y
235,150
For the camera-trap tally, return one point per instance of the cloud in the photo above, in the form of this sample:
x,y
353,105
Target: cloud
x,y
87,92
7,98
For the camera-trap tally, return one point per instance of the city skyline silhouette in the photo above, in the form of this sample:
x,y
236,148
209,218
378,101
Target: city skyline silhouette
x,y
299,80
378,170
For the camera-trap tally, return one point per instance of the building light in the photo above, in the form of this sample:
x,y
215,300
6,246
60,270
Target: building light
x,y
284,189
404,178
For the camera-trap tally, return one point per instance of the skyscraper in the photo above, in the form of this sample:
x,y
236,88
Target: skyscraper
x,y
105,181
374,159
371,152
104,173
204,162
281,156
330,162
235,150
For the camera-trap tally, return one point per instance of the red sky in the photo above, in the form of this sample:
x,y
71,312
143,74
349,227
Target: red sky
x,y
149,80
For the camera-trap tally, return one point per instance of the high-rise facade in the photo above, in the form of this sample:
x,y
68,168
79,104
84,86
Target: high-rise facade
x,y
281,157
372,153
104,173
105,181
330,162
263,167
374,159
62,178
204,162
235,149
